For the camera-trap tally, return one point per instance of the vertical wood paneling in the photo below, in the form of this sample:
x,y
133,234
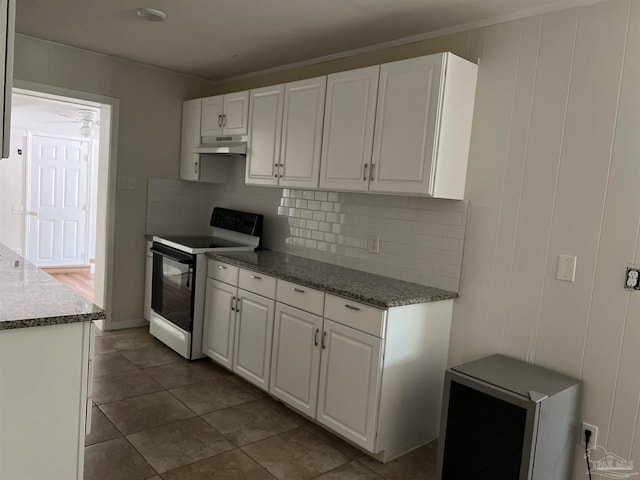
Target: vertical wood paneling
x,y
516,153
582,181
538,186
492,116
620,243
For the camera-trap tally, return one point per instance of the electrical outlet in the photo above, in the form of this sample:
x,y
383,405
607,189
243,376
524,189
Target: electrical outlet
x,y
373,245
593,441
631,279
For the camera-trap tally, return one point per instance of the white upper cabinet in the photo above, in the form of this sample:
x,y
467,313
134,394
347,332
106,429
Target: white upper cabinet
x,y
7,22
302,133
225,115
190,161
265,127
347,139
285,134
423,126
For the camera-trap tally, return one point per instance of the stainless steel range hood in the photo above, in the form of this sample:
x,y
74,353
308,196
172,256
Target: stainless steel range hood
x,y
231,145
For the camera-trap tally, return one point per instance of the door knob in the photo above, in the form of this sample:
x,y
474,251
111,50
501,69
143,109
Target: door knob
x,y
33,213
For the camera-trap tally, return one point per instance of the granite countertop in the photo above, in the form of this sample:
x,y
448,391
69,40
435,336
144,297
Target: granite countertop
x,y
30,297
368,288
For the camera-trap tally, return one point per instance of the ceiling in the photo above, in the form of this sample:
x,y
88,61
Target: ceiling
x,y
218,39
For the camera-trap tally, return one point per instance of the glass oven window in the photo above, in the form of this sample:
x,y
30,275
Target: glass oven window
x,y
172,285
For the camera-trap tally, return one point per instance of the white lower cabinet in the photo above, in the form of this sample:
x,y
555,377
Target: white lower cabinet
x,y
219,322
295,362
350,374
254,332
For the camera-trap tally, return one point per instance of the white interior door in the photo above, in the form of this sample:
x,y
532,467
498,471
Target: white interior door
x,y
57,201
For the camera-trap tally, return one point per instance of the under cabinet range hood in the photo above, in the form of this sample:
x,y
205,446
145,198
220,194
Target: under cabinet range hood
x,y
230,144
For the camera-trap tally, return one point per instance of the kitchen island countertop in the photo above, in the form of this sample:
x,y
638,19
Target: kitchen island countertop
x,y
30,297
368,288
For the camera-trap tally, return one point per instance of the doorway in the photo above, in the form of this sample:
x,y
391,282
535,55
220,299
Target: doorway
x,y
56,198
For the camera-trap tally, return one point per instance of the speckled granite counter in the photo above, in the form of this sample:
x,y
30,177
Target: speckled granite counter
x,y
30,297
374,290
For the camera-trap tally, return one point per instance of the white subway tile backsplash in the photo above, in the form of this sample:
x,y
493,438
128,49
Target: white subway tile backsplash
x,y
421,239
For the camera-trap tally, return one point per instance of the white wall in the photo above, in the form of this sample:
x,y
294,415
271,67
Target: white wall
x,y
148,140
554,169
421,239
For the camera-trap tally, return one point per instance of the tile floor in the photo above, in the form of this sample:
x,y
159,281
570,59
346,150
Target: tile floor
x,y
160,417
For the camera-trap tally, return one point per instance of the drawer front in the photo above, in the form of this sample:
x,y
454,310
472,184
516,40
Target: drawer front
x,y
301,297
257,283
356,315
223,272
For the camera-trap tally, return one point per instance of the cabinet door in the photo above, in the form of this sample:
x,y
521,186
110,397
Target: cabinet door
x,y
7,20
235,120
219,322
347,137
265,127
406,123
212,110
189,168
350,377
302,132
295,360
148,275
254,335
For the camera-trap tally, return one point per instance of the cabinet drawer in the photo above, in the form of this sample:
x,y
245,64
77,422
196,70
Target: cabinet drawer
x,y
356,315
257,283
304,298
223,272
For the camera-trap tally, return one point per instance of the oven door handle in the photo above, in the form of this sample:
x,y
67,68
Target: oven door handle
x,y
175,259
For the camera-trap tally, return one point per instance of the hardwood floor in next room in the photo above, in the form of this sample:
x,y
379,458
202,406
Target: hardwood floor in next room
x,y
80,279
158,416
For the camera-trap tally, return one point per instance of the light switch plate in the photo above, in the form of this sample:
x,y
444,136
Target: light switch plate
x,y
126,183
567,268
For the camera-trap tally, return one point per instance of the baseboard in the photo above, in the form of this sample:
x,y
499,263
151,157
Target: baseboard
x,y
136,322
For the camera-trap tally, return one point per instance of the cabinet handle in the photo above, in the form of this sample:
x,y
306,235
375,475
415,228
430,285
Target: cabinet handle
x,y
315,337
233,307
222,267
256,277
195,167
276,165
219,120
238,304
372,175
351,307
299,290
224,119
364,172
324,340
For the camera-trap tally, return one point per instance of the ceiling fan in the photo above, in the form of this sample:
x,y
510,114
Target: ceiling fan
x,y
85,118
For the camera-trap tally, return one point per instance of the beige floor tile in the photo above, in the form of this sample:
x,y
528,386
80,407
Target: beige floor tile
x,y
115,460
100,346
350,471
101,428
177,444
179,374
144,412
249,422
152,355
234,465
287,411
215,395
128,341
419,464
119,386
336,442
108,363
295,455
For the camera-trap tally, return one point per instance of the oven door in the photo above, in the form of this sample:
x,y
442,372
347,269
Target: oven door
x,y
172,290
